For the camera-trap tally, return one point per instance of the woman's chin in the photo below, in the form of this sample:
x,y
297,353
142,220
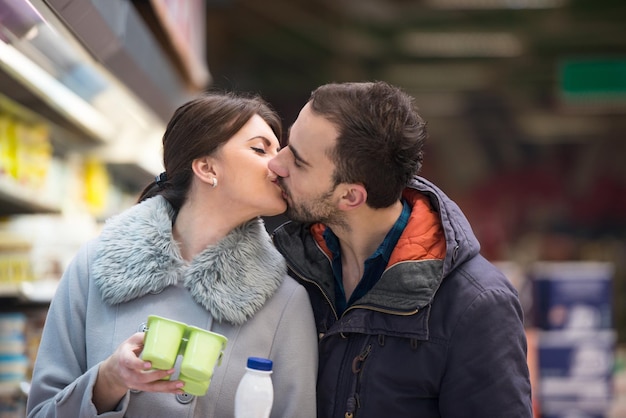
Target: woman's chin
x,y
278,210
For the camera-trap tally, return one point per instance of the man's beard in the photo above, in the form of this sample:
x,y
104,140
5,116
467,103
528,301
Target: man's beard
x,y
318,209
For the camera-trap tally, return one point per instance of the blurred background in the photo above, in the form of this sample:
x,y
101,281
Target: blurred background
x,y
525,102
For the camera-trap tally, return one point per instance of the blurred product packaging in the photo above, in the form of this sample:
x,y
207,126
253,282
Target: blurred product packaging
x,y
576,342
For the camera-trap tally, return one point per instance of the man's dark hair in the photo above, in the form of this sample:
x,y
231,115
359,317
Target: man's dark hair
x,y
380,136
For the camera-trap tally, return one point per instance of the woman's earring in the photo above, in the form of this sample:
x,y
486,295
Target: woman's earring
x,y
214,181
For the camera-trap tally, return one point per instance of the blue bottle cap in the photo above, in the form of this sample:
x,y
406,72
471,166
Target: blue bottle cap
x,y
259,363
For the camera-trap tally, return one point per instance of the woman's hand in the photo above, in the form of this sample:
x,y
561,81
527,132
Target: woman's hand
x,y
124,370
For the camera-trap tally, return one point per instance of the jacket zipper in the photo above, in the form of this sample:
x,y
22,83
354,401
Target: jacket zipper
x,y
331,304
386,311
352,403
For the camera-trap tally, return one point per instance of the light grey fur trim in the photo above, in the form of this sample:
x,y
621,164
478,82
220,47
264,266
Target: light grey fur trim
x,y
137,255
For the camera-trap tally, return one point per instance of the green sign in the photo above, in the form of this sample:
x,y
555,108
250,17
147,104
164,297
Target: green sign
x,y
593,79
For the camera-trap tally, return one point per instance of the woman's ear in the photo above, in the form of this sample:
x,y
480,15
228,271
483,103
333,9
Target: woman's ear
x,y
205,169
352,196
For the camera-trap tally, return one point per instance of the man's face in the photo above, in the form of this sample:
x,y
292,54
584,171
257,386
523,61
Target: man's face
x,y
305,169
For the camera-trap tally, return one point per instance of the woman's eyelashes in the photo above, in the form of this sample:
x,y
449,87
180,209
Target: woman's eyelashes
x,y
258,150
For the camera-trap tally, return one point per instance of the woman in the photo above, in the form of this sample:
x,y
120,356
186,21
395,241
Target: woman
x,y
194,250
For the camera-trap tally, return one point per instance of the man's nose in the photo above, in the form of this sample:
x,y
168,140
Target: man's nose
x,y
276,165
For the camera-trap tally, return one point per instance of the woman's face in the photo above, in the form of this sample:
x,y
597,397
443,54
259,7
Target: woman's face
x,y
244,178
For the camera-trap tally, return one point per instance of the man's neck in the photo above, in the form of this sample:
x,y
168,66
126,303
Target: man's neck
x,y
363,233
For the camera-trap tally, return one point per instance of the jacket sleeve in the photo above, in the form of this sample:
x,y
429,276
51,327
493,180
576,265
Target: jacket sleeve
x,y
62,385
487,371
295,354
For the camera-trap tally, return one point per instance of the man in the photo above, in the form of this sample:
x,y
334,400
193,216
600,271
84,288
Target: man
x,y
412,320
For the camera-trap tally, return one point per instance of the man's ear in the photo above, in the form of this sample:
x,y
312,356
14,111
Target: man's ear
x,y
352,196
205,169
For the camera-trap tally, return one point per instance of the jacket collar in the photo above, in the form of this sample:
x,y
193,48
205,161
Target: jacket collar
x,y
413,273
232,279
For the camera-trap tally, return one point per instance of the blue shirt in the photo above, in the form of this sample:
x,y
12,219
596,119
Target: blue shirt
x,y
374,266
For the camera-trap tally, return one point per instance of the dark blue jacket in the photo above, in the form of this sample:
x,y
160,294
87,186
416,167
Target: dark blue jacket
x,y
440,335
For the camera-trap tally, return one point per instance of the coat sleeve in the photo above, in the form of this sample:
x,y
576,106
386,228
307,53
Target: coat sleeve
x,y
295,359
62,385
487,371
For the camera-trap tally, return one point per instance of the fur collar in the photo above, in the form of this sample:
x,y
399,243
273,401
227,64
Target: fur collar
x,y
137,255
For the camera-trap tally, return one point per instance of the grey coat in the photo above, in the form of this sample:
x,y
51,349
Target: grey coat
x,y
237,288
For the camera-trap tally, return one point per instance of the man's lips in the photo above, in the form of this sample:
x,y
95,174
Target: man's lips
x,y
282,188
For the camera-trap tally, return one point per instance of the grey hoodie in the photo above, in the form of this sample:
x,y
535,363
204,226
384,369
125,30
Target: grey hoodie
x,y
237,288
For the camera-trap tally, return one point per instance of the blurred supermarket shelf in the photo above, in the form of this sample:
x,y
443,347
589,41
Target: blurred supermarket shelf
x,y
39,291
15,198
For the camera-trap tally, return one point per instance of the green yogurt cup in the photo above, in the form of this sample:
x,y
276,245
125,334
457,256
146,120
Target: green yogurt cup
x,y
162,341
202,354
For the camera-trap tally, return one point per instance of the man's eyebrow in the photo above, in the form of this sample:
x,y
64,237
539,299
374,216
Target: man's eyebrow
x,y
295,153
298,157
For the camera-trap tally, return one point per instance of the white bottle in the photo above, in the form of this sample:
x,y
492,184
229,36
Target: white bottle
x,y
255,393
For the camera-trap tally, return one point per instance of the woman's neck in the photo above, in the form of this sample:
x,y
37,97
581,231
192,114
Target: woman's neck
x,y
199,225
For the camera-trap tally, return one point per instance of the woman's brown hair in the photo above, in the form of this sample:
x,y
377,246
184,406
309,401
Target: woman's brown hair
x,y
199,128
